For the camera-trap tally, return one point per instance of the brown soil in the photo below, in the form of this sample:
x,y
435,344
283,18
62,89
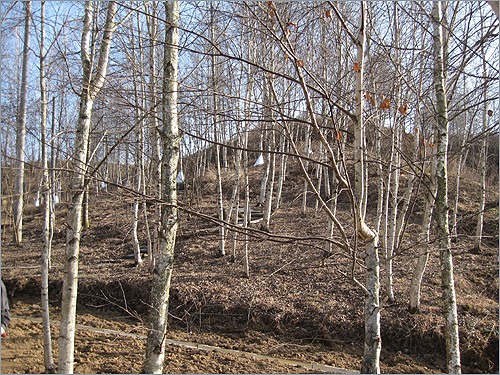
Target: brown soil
x,y
296,304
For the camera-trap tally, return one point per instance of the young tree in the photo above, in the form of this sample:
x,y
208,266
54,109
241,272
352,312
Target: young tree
x,y
162,273
92,84
18,202
441,202
47,212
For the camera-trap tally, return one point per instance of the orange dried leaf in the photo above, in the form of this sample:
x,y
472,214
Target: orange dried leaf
x,y
403,109
292,24
300,63
386,104
271,5
367,96
356,67
339,134
431,144
328,13
416,130
286,57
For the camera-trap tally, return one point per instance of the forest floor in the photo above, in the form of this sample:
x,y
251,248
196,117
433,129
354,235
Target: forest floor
x,y
297,303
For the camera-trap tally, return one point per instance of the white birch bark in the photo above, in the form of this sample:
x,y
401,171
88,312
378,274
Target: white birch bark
x,y
217,139
246,214
162,273
461,159
18,201
380,179
47,222
307,153
139,141
482,166
265,176
441,203
392,202
90,89
360,189
423,257
237,165
372,344
281,172
269,185
155,138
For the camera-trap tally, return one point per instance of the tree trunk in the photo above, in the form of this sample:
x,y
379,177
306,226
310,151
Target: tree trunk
x,y
460,161
155,139
423,257
482,166
47,222
246,214
373,341
91,87
307,153
360,188
217,138
162,273
441,203
269,185
281,172
18,201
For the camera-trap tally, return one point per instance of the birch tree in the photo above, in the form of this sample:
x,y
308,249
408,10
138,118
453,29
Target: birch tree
x,y
18,202
441,202
152,24
217,132
482,160
47,212
92,84
162,273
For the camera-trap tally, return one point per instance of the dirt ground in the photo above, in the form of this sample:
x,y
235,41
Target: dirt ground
x,y
298,303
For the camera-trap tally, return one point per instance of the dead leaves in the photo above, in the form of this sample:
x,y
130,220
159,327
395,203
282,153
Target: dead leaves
x,y
403,109
271,5
356,67
386,104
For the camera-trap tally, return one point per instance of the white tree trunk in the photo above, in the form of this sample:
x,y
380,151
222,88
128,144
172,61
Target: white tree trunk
x,y
482,167
18,201
373,341
47,222
91,87
307,153
447,280
155,139
392,215
360,189
461,159
423,257
162,273
217,139
246,214
269,186
281,173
